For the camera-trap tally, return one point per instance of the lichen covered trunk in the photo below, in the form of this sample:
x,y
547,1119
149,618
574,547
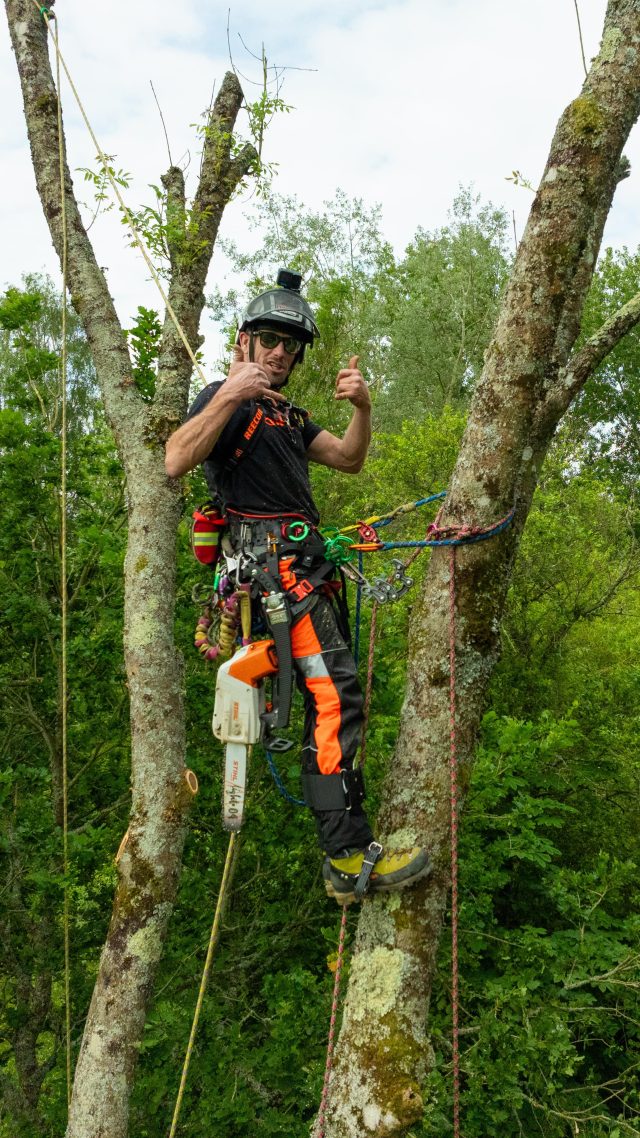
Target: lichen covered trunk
x,y
149,866
383,1051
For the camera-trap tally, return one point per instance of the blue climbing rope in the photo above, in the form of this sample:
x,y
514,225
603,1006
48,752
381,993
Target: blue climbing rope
x,y
463,539
395,514
275,774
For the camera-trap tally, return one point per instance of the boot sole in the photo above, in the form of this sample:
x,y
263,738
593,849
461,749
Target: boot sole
x,y
389,887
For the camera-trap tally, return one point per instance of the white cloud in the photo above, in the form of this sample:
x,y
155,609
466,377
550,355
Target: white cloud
x,y
406,101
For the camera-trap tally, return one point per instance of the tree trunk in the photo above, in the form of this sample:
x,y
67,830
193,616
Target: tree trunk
x,y
150,863
528,381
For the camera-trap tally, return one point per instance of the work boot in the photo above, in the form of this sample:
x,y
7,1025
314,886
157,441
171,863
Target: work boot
x,y
352,873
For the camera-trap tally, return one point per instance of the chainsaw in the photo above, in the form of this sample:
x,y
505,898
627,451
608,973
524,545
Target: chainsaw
x,y
242,717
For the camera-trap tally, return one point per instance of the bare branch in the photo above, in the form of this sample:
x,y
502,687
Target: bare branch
x,y
590,356
173,182
164,125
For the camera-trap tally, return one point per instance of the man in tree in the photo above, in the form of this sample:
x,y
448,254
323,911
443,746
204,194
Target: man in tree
x,y
255,447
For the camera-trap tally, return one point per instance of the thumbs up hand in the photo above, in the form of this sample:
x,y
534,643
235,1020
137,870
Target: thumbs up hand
x,y
351,385
248,380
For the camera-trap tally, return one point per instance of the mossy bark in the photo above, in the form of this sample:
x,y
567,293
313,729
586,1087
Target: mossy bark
x,y
527,383
149,866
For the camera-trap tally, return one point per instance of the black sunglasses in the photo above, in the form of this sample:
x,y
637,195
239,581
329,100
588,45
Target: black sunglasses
x,y
272,339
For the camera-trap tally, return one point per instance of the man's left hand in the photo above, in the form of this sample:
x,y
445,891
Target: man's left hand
x,y
351,385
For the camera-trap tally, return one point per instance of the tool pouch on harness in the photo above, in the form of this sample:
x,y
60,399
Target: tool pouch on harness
x,y
207,526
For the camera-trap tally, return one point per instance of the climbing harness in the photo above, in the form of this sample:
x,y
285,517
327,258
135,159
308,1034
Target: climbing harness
x,y
267,569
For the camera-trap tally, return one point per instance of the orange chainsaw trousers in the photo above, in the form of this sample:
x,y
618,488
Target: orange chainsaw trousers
x,y
327,677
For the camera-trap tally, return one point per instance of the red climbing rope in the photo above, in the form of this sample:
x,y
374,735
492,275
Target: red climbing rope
x,y
451,536
343,927
453,770
332,1027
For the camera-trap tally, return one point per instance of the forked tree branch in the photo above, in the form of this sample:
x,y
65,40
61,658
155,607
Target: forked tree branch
x,y
585,361
221,172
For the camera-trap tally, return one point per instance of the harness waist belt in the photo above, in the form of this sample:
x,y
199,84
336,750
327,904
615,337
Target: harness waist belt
x,y
255,532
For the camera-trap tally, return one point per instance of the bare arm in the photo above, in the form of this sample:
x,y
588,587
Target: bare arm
x,y
348,453
194,440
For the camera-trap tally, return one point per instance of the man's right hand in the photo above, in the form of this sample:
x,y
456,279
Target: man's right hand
x,y
248,381
195,439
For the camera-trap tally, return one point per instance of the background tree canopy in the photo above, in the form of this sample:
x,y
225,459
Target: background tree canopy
x,y
550,846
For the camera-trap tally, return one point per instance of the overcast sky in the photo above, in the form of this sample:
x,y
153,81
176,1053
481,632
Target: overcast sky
x,y
397,103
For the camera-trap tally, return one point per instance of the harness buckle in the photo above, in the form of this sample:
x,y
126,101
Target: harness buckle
x,y
372,854
302,589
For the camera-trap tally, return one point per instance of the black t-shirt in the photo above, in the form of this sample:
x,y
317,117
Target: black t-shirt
x,y
272,476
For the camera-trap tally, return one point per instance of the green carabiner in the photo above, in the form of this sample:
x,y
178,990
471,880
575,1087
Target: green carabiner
x,y
338,546
305,530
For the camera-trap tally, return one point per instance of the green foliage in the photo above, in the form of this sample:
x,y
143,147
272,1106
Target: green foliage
x,y
100,180
144,339
152,226
579,562
441,307
549,938
31,1017
19,310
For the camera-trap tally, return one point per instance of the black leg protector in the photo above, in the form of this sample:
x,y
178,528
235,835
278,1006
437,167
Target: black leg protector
x,y
336,801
